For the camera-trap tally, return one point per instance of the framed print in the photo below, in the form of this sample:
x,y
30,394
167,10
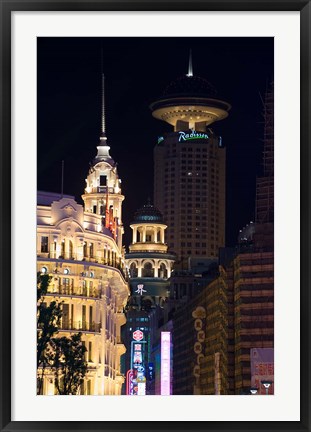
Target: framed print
x,y
155,187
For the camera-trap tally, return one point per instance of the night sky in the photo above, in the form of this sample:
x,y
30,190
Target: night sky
x,y
137,70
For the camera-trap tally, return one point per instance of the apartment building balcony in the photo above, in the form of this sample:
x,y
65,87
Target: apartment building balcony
x,y
76,258
80,326
71,291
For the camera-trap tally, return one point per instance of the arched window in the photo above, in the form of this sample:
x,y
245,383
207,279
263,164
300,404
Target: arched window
x,y
163,271
148,270
70,249
63,249
91,250
146,304
133,270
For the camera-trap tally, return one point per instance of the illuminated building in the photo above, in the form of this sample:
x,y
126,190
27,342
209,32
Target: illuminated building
x,y
81,249
149,267
253,275
202,331
189,176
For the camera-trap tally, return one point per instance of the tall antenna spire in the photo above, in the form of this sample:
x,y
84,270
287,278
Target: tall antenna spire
x,y
103,148
103,109
190,70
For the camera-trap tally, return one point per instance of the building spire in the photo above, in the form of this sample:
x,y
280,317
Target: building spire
x,y
103,148
190,70
103,131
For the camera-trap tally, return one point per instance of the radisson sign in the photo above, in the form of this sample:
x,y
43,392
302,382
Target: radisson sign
x,y
193,135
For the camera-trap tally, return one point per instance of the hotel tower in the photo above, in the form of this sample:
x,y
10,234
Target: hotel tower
x,y
189,167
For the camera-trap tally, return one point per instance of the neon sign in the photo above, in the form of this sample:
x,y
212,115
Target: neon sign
x,y
138,335
193,135
165,363
140,289
137,379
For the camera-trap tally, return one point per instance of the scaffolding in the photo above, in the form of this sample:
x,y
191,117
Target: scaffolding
x,y
265,184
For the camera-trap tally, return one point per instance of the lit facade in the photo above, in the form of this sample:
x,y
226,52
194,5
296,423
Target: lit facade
x,y
80,247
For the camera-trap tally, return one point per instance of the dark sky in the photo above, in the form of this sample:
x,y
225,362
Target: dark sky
x,y
137,70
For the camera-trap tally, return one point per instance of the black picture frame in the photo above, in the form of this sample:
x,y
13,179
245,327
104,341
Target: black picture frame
x,y
6,8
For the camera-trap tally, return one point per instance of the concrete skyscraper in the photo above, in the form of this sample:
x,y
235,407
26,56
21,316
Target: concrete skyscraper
x,y
189,174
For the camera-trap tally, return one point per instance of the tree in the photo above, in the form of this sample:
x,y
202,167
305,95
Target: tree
x,y
48,317
48,320
68,363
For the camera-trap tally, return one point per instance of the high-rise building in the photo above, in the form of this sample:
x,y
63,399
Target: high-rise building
x,y
189,167
203,340
253,281
149,267
81,250
265,183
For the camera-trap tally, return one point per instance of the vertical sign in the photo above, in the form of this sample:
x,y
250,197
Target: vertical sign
x,y
165,363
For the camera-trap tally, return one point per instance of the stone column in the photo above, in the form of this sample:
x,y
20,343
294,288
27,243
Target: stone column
x,y
156,268
139,268
134,235
169,270
162,235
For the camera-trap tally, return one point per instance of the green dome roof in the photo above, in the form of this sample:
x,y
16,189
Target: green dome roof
x,y
148,213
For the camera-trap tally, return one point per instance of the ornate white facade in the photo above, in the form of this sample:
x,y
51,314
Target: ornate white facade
x,y
81,249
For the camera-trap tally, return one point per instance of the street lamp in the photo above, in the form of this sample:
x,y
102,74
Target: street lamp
x,y
266,385
253,390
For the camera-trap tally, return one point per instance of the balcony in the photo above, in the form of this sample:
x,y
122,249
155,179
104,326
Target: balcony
x,y
96,259
100,189
76,291
80,326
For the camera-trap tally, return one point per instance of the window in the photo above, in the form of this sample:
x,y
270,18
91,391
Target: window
x,y
90,351
147,270
133,270
103,180
44,244
70,249
91,318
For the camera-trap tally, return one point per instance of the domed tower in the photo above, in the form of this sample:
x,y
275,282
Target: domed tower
x,y
103,195
189,168
148,257
149,266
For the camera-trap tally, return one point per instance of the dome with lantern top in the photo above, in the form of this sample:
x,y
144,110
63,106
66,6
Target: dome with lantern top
x,y
190,86
190,102
148,213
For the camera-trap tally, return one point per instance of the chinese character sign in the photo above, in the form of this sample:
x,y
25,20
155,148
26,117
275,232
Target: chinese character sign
x,y
262,368
140,289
